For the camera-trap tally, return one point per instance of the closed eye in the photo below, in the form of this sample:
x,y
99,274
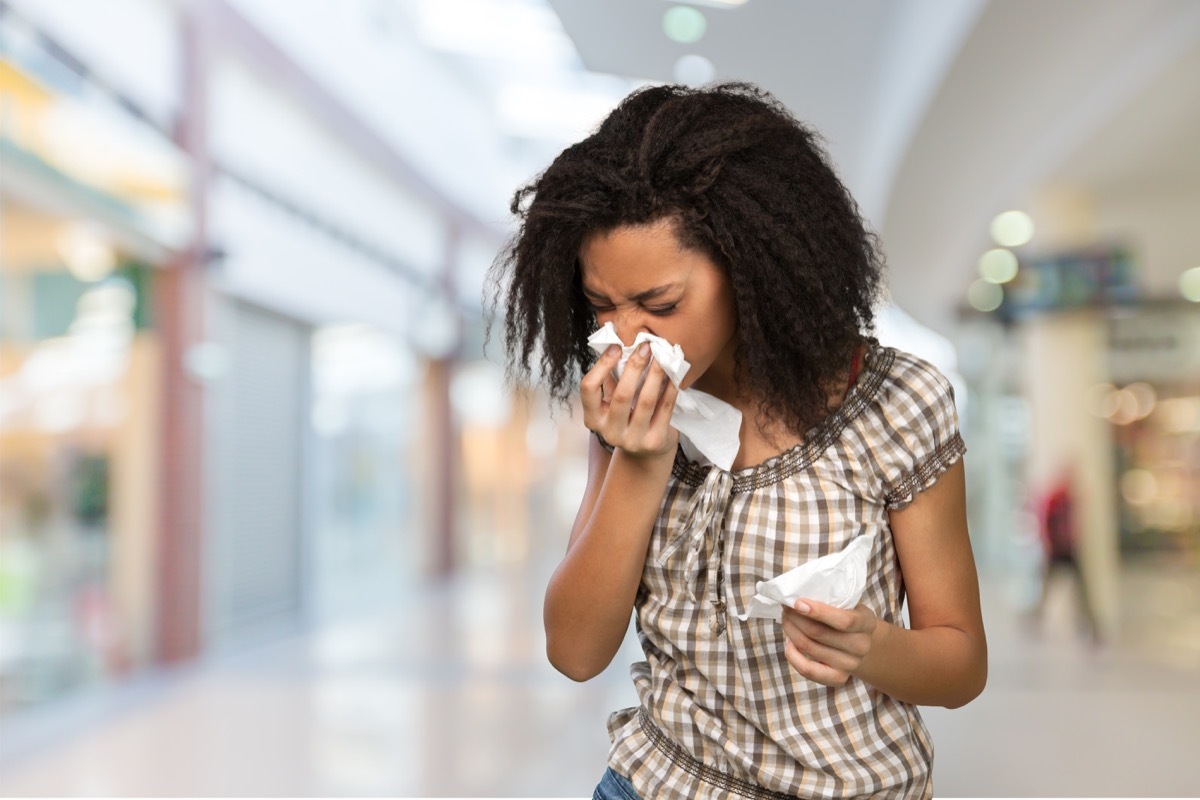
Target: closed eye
x,y
663,311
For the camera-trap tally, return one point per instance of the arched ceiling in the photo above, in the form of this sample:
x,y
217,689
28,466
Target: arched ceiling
x,y
1040,90
938,114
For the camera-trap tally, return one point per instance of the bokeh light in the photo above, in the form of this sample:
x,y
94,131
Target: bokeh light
x,y
1189,284
1101,400
1139,487
1012,229
684,24
86,251
998,265
1179,414
694,70
985,296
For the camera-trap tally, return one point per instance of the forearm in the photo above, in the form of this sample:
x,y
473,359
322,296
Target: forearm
x,y
933,666
590,596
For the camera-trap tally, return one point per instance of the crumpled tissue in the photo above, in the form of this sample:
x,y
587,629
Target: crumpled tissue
x,y
708,427
838,579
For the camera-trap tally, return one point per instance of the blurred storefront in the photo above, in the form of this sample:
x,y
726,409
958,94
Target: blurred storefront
x,y
1078,372
1153,403
227,395
93,205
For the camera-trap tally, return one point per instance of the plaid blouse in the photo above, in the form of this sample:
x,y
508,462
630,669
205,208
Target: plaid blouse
x,y
722,712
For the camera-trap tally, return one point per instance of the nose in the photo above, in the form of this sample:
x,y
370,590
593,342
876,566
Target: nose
x,y
628,325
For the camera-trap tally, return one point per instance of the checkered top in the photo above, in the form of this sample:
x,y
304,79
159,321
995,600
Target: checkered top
x,y
721,709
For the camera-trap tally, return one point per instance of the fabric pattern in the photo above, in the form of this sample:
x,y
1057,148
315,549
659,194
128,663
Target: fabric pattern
x,y
722,712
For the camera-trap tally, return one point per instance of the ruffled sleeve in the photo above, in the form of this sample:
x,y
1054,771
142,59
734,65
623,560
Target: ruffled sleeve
x,y
920,433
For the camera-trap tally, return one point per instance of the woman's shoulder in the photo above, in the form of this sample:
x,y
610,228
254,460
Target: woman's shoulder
x,y
906,379
911,423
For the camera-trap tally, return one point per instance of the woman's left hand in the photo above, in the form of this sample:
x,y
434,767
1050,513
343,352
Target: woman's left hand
x,y
827,644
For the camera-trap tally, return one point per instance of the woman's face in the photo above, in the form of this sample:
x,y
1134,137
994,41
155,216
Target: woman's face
x,y
641,279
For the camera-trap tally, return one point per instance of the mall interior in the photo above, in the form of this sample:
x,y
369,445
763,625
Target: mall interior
x,y
272,521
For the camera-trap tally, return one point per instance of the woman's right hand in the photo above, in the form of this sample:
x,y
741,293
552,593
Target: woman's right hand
x,y
638,422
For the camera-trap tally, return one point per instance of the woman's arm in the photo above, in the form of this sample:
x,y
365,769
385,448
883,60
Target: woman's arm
x,y
942,659
590,597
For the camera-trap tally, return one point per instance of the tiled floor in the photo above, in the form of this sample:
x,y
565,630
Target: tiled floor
x,y
450,695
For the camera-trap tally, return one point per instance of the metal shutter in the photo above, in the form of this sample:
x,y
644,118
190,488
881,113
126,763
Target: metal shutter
x,y
257,472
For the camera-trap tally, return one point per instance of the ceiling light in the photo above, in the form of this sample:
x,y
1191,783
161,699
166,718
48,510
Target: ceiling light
x,y
998,265
1189,284
723,4
1012,228
694,70
985,295
684,24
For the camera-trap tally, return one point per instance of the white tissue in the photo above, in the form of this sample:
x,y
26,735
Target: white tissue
x,y
837,579
708,427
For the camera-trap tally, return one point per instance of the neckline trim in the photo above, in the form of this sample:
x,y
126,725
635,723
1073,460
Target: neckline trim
x,y
877,364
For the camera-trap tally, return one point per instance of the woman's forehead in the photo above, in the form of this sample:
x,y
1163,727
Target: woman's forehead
x,y
635,258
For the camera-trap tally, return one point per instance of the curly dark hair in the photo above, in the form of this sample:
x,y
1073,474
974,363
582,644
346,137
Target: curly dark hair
x,y
745,183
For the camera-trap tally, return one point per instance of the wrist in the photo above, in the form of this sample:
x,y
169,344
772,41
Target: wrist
x,y
647,457
880,639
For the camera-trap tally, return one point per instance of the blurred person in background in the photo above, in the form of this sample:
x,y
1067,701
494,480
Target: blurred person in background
x,y
1058,529
712,218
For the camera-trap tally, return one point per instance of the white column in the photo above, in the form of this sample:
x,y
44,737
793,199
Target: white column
x,y
1064,355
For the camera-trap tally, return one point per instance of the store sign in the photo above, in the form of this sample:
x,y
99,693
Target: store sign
x,y
1155,344
1097,276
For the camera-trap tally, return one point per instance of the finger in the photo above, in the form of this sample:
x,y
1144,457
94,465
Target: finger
x,y
813,670
666,404
592,383
647,399
631,378
833,656
810,627
799,629
607,388
840,619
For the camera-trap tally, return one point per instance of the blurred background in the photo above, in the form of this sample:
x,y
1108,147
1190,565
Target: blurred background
x,y
270,520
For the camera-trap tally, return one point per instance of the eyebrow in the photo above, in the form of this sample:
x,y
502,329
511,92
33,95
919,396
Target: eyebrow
x,y
649,294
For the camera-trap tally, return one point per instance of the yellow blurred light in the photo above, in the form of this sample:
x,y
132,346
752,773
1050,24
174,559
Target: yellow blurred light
x,y
1189,284
1169,514
1179,414
684,24
998,265
1139,487
1125,410
1012,228
1144,398
985,295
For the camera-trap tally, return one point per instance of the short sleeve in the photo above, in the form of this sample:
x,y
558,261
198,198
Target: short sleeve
x,y
920,430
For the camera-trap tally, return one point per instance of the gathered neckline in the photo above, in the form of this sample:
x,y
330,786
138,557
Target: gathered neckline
x,y
877,363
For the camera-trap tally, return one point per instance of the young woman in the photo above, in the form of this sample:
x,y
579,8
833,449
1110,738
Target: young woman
x,y
712,218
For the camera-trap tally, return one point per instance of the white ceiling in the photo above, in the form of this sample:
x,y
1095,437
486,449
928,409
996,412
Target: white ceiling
x,y
1154,141
940,114
859,72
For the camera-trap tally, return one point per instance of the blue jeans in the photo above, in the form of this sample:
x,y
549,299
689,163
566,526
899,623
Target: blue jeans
x,y
614,787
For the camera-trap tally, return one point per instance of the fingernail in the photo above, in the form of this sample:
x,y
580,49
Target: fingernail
x,y
644,350
612,350
803,607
